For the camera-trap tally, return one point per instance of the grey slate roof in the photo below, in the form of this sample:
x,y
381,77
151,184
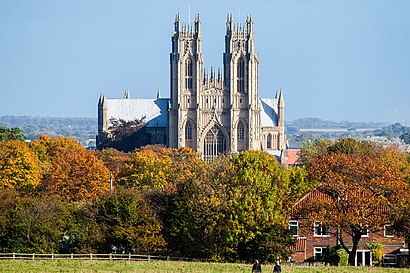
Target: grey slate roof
x,y
155,110
269,112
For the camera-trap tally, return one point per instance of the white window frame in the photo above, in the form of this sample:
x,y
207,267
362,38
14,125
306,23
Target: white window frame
x,y
367,232
318,250
324,229
294,223
385,229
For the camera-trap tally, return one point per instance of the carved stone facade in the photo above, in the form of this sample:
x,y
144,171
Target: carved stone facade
x,y
212,111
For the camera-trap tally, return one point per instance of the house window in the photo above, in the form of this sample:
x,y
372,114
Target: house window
x,y
364,231
294,227
319,253
388,231
320,230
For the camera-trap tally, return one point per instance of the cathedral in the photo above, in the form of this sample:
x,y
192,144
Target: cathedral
x,y
211,111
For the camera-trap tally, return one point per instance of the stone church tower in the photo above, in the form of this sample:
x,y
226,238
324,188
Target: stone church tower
x,y
209,112
212,111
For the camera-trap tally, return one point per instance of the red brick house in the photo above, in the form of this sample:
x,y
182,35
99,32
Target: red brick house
x,y
313,238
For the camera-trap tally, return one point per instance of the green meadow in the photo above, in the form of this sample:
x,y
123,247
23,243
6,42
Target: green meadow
x,y
85,266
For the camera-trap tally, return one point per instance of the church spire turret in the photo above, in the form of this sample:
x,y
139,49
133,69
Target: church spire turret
x,y
177,22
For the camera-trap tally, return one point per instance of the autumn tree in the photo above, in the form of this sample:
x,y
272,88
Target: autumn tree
x,y
116,161
69,170
19,167
364,189
159,167
125,135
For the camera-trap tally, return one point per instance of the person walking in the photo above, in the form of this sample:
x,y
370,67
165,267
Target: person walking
x,y
277,268
256,268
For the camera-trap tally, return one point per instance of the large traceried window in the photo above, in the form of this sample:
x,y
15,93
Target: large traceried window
x,y
215,144
188,74
241,75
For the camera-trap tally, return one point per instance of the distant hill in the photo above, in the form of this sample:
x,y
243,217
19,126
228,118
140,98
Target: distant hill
x,y
319,123
85,129
82,129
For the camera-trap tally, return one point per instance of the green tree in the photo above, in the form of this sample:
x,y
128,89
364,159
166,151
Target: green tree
x,y
405,137
11,134
402,223
199,207
310,149
36,225
82,233
299,185
256,201
238,205
128,224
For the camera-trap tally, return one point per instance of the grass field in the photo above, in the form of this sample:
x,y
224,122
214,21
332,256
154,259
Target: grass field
x,y
168,267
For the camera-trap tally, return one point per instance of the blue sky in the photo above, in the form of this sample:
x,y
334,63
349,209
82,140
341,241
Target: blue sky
x,y
336,60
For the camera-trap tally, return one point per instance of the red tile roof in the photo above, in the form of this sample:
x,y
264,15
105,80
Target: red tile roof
x,y
293,156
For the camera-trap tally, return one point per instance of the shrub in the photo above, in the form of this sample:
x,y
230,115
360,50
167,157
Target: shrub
x,y
343,257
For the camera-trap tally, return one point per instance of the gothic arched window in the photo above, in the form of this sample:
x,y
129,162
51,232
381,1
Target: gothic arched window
x,y
215,144
188,74
269,142
188,130
241,131
241,75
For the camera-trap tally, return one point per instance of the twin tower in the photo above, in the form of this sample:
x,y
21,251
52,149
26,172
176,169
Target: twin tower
x,y
211,111
214,112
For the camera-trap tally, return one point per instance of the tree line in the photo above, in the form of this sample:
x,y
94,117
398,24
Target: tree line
x,y
55,197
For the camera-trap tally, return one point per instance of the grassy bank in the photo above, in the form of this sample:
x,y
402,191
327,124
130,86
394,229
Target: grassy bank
x,y
168,267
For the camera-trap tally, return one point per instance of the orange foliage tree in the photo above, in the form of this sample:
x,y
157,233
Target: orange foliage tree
x,y
19,168
364,190
69,170
116,161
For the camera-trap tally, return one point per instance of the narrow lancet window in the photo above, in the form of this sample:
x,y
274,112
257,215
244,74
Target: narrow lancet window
x,y
269,142
241,75
188,75
188,131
